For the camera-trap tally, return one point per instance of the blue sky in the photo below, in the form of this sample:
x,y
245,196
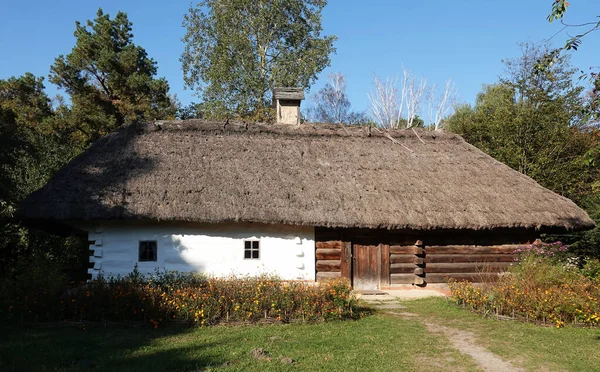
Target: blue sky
x,y
462,40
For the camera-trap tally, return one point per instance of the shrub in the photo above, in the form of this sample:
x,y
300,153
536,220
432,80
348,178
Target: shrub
x,y
556,252
541,287
591,269
34,293
193,299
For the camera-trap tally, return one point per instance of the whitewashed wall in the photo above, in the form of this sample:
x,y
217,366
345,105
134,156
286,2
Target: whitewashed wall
x,y
288,251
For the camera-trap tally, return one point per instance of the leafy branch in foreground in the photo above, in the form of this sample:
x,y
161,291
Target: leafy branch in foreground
x,y
557,13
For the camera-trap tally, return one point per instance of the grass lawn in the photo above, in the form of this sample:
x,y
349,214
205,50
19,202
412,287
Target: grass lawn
x,y
534,347
378,342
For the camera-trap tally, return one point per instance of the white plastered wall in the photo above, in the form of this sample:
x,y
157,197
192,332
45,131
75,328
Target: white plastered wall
x,y
215,249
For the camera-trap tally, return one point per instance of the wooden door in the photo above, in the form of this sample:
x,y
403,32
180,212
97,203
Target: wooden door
x,y
366,266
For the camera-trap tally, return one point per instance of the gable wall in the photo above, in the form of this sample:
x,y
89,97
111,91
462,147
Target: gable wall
x,y
216,249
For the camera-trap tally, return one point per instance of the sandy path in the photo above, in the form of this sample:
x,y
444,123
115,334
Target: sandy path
x,y
466,343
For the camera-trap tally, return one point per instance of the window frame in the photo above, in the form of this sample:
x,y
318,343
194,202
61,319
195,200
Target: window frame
x,y
252,249
150,246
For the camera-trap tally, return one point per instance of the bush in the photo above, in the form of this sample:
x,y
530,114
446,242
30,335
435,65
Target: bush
x,y
34,292
556,252
591,269
541,287
199,300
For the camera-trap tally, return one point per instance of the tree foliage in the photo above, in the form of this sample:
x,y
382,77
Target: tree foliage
x,y
237,51
533,123
32,148
331,104
111,80
30,151
544,63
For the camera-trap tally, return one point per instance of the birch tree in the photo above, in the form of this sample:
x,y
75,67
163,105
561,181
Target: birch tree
x,y
237,51
331,101
440,105
414,96
385,106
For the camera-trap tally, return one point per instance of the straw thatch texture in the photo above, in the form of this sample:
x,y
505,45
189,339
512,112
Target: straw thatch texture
x,y
321,175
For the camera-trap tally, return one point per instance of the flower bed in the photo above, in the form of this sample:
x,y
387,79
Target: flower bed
x,y
544,286
195,300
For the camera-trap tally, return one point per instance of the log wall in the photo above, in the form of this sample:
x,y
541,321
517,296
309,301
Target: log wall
x,y
329,259
420,257
332,255
467,262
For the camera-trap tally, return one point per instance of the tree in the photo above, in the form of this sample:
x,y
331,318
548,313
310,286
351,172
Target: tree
x,y
557,13
31,150
385,106
110,79
414,96
439,105
191,111
331,102
24,114
531,123
237,51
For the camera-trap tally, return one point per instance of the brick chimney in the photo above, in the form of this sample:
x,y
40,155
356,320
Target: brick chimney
x,y
286,102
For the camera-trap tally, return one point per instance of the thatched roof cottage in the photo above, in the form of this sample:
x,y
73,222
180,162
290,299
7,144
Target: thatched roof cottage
x,y
306,202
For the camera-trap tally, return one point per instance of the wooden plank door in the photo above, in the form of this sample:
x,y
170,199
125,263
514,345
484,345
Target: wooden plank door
x,y
366,260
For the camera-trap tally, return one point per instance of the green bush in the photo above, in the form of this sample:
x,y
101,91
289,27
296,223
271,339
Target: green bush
x,y
591,269
190,299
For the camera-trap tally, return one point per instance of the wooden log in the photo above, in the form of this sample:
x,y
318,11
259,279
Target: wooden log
x,y
419,261
441,258
346,257
406,249
329,244
328,254
402,268
469,267
419,243
419,281
472,277
402,278
419,271
402,258
328,265
323,276
472,249
384,278
402,249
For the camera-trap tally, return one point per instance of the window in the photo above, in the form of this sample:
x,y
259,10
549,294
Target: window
x,y
148,250
251,249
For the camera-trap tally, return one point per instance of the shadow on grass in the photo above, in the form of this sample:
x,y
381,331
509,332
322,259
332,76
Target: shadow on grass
x,y
120,349
362,310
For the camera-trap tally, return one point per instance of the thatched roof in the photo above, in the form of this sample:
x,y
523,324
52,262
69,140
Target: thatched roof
x,y
321,175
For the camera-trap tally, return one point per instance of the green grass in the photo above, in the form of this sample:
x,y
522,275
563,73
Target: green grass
x,y
377,342
531,346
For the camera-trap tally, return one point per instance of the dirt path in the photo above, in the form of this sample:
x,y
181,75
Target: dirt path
x,y
466,343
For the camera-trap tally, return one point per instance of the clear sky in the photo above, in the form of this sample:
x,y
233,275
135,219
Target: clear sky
x,y
464,40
